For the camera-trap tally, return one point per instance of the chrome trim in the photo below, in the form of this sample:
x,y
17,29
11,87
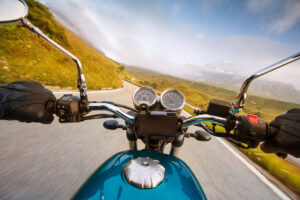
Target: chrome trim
x,y
113,109
132,145
174,151
239,100
26,9
183,103
144,173
203,118
17,21
81,83
138,89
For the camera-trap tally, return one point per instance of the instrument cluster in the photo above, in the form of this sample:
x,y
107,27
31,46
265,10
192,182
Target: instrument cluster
x,y
170,100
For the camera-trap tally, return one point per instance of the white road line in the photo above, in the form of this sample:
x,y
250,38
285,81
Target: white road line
x,y
281,194
255,171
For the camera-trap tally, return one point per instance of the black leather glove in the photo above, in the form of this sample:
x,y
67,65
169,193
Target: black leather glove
x,y
287,140
25,101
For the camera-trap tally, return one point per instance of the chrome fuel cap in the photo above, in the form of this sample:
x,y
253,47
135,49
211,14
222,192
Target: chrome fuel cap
x,y
144,172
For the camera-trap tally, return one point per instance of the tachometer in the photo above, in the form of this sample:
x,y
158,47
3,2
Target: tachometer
x,y
144,95
172,100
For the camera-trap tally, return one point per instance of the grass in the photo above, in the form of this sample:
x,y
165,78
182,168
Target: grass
x,y
286,172
198,94
25,56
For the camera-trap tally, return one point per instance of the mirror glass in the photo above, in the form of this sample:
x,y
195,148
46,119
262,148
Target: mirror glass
x,y
12,10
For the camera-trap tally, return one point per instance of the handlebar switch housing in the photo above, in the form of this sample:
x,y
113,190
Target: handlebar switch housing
x,y
67,108
251,130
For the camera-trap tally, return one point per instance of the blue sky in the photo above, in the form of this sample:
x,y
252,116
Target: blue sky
x,y
272,19
182,37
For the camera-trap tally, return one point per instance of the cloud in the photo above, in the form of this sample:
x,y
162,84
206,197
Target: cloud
x,y
209,5
260,5
176,8
142,35
290,17
281,15
200,36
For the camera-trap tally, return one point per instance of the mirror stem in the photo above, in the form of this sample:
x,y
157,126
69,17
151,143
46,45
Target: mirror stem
x,y
81,83
239,100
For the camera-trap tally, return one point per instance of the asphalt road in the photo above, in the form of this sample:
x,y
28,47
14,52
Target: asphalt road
x,y
52,161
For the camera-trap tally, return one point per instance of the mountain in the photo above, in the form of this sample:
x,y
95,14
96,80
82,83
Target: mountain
x,y
260,87
199,94
25,56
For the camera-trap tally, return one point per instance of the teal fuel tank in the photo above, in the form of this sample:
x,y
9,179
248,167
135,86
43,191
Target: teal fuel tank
x,y
109,182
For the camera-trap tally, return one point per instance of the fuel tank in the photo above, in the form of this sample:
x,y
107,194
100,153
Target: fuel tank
x,y
109,181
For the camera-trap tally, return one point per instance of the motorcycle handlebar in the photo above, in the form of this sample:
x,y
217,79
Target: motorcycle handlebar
x,y
247,128
68,106
204,118
117,111
130,119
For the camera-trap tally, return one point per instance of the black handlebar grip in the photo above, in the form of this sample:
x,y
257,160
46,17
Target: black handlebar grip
x,y
252,128
50,107
272,132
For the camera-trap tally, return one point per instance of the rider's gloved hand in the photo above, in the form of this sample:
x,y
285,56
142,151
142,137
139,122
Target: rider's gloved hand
x,y
25,101
287,140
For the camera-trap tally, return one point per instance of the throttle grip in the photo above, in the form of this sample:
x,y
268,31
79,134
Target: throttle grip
x,y
272,132
252,130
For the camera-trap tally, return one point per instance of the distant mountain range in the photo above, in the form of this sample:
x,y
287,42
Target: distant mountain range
x,y
260,86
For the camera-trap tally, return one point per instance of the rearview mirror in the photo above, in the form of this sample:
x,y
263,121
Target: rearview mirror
x,y
12,11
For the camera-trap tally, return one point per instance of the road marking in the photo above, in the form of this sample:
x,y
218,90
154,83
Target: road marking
x,y
255,171
281,194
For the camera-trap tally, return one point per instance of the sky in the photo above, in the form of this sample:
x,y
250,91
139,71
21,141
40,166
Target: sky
x,y
182,37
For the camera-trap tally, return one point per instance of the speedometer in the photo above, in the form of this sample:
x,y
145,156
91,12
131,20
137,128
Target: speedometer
x,y
172,100
144,95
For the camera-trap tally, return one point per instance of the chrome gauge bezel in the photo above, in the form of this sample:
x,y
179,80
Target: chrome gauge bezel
x,y
166,107
148,88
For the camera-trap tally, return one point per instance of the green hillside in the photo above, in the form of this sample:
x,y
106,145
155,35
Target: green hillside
x,y
199,94
25,56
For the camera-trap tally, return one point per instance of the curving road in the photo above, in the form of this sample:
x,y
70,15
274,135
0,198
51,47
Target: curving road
x,y
52,161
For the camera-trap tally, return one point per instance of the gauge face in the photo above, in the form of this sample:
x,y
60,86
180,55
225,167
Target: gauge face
x,y
172,99
144,95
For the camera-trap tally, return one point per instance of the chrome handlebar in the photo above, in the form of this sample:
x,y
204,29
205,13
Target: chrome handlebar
x,y
130,119
204,118
239,100
108,107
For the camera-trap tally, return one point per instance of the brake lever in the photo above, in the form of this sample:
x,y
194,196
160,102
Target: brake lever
x,y
199,135
212,132
113,124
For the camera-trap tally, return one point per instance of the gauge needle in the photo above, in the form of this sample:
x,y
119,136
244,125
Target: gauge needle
x,y
170,98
